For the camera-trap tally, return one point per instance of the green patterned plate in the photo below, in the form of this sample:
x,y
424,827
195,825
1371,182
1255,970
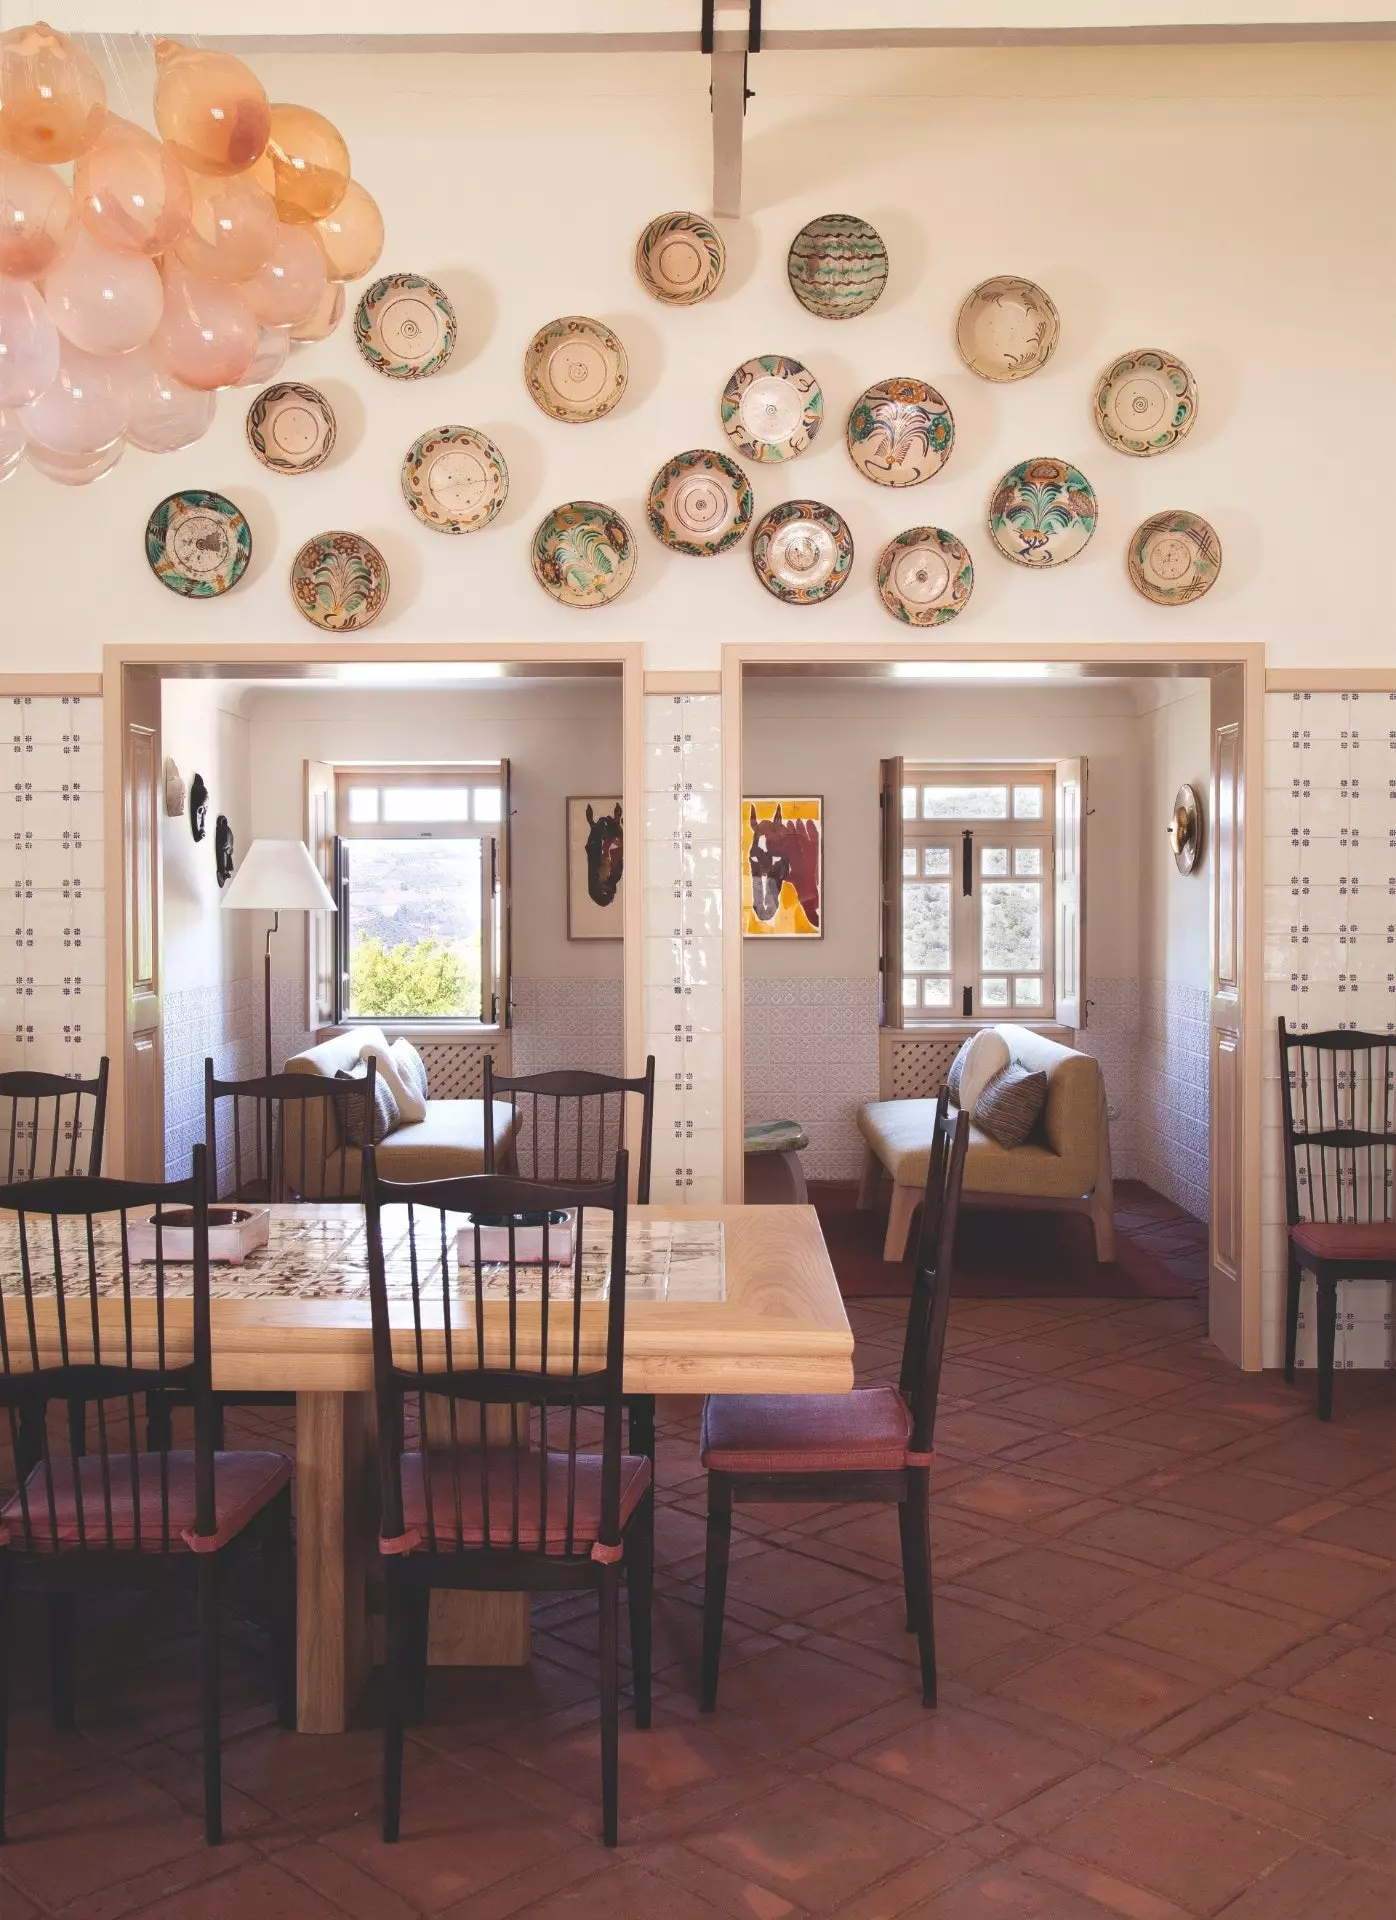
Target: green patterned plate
x,y
405,327
1043,512
772,407
925,576
1145,402
291,427
1007,328
583,554
802,551
454,479
837,266
900,432
680,259
339,581
1174,557
576,369
700,503
197,544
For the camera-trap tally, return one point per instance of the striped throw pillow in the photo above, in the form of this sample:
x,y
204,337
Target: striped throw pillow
x,y
957,1067
1009,1107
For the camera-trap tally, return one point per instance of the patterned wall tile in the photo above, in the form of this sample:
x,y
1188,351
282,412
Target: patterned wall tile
x,y
810,1052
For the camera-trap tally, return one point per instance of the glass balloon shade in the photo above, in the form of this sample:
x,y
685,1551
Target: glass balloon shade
x,y
207,336
211,109
232,227
132,194
291,285
104,302
85,409
163,414
310,163
326,317
36,217
52,98
273,345
352,236
29,344
74,470
11,443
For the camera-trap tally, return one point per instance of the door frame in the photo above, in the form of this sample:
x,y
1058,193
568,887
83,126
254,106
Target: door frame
x,y
1101,657
249,658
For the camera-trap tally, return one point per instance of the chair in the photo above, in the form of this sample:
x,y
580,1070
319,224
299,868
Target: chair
x,y
31,1112
500,1360
1339,1104
871,1445
81,1319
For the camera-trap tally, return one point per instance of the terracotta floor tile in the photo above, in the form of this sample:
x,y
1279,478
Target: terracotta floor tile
x,y
1234,1640
1103,1690
1012,1496
1368,1529
1189,1850
1329,1584
1158,1539
985,1766
1362,1682
68,1849
1315,1456
1301,1765
1062,1403
1361,1896
789,1585
261,1889
813,1845
625,1892
1005,1891
1049,1581
1236,1495
792,1697
1187,1431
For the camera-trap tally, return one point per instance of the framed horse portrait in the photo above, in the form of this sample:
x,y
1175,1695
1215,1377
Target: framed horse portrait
x,y
595,869
783,869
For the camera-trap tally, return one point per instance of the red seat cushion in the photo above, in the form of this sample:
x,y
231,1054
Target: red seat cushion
x,y
862,1432
1347,1240
243,1484
469,1484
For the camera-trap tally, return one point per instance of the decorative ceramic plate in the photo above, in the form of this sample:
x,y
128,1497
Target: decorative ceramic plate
x,y
900,432
680,259
772,407
197,544
837,266
1007,329
1145,402
1043,512
339,581
405,327
454,479
700,503
925,576
291,427
583,554
802,551
1174,557
576,369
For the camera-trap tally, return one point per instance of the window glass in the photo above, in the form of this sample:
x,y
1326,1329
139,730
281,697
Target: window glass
x,y
993,860
908,993
909,863
1027,803
1011,928
935,993
363,804
1027,859
964,803
908,803
926,929
993,993
934,860
402,804
1027,992
413,928
489,803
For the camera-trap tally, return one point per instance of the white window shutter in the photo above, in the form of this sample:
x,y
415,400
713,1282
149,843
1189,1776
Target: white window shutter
x,y
1070,893
320,931
890,938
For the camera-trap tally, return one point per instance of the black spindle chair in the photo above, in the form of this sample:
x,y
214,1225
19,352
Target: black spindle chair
x,y
41,1140
82,1318
507,1370
1339,1099
872,1445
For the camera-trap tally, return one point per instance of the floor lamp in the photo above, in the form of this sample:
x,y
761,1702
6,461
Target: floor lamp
x,y
276,877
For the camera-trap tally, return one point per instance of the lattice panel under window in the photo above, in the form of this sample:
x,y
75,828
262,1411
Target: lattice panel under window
x,y
915,1069
456,1068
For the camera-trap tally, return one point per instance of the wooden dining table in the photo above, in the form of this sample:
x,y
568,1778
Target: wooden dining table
x,y
719,1300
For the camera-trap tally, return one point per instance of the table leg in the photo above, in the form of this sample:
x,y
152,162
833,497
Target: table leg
x,y
476,1629
332,1474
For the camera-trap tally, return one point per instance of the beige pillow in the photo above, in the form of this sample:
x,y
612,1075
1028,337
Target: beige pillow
x,y
988,1054
351,1112
409,1102
410,1065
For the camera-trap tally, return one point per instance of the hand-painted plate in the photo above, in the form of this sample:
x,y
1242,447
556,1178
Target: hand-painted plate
x,y
1145,402
576,369
454,479
1174,557
339,581
772,407
1043,512
802,551
405,327
680,259
291,427
925,576
197,544
837,266
900,432
700,503
1007,329
583,554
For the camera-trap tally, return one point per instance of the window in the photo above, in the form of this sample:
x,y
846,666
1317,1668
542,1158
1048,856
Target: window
x,y
420,871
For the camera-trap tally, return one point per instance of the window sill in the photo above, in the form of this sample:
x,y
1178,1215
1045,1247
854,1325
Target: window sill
x,y
443,1030
961,1025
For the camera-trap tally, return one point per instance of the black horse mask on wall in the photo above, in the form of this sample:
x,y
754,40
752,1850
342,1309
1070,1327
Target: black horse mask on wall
x,y
605,855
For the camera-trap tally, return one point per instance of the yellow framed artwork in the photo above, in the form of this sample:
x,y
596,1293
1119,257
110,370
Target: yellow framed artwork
x,y
783,868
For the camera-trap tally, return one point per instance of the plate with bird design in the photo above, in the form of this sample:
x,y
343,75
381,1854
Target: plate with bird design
x,y
1174,557
680,259
837,266
576,369
900,432
699,503
1043,512
1145,402
925,576
802,552
1007,328
197,544
339,581
583,554
772,407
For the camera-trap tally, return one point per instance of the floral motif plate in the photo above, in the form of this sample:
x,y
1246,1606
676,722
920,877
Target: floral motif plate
x,y
197,544
1007,329
1145,402
454,479
837,266
1174,557
802,551
925,576
1043,512
339,581
680,259
700,503
405,327
772,407
900,432
576,369
583,554
291,427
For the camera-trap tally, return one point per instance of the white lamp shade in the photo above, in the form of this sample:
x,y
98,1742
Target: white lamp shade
x,y
278,876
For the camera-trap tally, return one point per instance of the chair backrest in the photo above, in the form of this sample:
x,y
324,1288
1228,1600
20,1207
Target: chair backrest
x,y
923,1347
289,1136
572,1124
86,1326
51,1126
506,1350
1339,1105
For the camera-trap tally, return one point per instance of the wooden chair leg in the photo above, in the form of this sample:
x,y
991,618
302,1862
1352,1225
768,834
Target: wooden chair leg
x,y
639,1584
60,1659
908,1565
279,1558
396,1600
1327,1297
918,1500
6,1584
715,1584
210,1698
416,1655
870,1180
1294,1281
905,1201
641,1426
609,1601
